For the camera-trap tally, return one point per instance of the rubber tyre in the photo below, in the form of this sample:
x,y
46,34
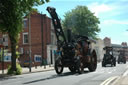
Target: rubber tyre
x,y
114,63
103,64
80,68
58,66
72,69
93,64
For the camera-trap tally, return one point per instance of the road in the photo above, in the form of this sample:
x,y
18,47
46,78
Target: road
x,y
99,77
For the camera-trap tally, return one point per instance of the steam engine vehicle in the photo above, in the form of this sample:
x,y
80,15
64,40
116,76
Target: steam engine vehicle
x,y
75,50
108,57
121,57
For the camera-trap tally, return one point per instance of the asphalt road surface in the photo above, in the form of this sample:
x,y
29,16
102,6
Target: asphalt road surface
x,y
99,77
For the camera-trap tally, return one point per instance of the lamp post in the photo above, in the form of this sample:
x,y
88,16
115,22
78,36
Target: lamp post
x,y
30,43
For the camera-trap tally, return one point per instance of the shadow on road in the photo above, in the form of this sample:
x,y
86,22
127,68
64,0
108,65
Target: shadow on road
x,y
56,76
6,77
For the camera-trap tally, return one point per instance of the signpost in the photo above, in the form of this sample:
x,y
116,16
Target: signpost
x,y
2,56
30,60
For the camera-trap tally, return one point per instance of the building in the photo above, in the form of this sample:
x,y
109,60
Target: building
x,y
42,40
125,48
6,60
42,43
117,47
98,46
107,41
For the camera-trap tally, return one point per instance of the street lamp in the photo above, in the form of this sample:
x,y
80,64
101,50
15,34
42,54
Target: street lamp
x,y
30,43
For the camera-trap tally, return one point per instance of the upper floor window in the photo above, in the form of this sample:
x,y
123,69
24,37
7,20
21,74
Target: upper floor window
x,y
25,38
25,23
5,40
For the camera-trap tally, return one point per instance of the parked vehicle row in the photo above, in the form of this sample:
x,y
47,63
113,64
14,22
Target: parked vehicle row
x,y
110,59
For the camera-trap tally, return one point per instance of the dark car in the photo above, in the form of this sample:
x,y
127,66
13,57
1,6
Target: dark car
x,y
26,63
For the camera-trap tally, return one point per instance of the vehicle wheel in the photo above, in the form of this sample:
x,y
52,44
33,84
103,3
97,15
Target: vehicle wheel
x,y
93,64
103,64
72,69
115,63
112,63
124,62
79,66
58,66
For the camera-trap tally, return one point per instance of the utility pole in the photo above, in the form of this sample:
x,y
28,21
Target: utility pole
x,y
30,60
3,60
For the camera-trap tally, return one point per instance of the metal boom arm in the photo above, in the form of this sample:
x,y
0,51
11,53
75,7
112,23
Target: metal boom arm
x,y
61,39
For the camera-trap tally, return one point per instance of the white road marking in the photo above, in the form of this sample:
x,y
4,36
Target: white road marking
x,y
109,80
125,73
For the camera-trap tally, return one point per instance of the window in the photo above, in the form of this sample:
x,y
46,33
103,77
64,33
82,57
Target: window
x,y
37,58
25,38
52,39
5,40
25,23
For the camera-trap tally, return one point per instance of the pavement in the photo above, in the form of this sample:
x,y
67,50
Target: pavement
x,y
25,70
121,80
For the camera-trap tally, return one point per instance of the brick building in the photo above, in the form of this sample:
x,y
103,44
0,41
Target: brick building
x,y
43,40
117,47
125,48
107,41
41,33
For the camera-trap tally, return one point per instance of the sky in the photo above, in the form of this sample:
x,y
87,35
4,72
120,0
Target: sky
x,y
113,15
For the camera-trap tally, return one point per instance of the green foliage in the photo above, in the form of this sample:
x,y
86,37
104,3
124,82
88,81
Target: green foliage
x,y
0,58
11,17
12,13
17,72
1,54
81,21
17,54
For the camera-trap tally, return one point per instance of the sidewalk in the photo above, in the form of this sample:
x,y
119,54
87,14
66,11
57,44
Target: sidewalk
x,y
33,69
122,80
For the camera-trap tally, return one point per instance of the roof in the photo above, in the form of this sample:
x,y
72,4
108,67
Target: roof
x,y
118,46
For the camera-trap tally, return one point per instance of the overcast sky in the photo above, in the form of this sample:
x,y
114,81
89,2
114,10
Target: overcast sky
x,y
113,15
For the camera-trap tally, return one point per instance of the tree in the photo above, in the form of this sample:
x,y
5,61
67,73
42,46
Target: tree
x,y
11,18
81,21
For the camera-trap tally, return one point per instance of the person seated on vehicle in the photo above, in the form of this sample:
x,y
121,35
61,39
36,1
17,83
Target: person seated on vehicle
x,y
57,53
111,54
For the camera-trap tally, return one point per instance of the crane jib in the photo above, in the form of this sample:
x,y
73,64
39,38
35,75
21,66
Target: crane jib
x,y
57,26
